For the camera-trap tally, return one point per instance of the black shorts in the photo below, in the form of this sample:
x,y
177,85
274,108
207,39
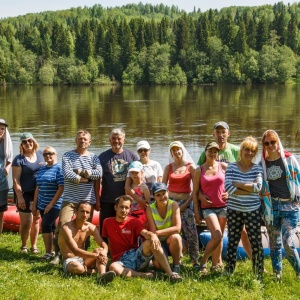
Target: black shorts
x,y
28,197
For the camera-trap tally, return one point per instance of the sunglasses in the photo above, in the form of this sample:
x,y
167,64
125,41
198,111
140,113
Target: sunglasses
x,y
24,142
48,153
270,143
143,150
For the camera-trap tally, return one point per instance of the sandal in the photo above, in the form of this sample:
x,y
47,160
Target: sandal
x,y
175,277
34,250
203,269
46,257
196,266
176,269
24,249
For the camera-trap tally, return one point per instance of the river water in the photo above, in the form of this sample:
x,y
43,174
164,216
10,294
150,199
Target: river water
x,y
159,115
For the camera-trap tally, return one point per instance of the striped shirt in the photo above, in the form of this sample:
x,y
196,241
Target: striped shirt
x,y
244,203
162,223
48,180
76,192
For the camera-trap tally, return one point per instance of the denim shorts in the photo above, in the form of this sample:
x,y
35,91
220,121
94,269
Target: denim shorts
x,y
219,212
135,260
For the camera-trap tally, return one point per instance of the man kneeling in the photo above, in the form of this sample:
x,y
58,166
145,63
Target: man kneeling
x,y
72,237
130,259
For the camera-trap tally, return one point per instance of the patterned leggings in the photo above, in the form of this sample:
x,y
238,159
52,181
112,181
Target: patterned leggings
x,y
282,232
252,221
189,229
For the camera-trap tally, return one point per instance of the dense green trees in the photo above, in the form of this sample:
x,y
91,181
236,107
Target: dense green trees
x,y
152,44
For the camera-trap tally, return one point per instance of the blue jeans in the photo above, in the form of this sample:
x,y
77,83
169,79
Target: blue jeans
x,y
281,232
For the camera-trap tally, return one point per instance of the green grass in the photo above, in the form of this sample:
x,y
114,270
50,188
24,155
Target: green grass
x,y
23,276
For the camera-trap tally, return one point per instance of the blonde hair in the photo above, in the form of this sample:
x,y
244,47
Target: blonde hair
x,y
35,146
83,131
51,149
249,142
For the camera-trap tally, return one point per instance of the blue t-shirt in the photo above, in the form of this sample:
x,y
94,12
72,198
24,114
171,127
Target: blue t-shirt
x,y
29,170
115,167
48,180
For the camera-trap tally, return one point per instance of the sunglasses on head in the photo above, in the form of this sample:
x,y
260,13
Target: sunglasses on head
x,y
270,143
48,153
24,142
142,150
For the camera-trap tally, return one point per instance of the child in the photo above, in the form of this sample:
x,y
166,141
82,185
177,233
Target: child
x,y
138,208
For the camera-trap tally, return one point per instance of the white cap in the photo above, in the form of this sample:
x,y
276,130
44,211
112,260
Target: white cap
x,y
142,145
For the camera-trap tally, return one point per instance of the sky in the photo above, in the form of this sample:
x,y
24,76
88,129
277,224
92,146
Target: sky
x,y
12,8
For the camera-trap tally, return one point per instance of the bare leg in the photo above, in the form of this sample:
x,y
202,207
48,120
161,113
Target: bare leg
x,y
217,254
246,243
34,232
48,241
25,225
175,246
1,222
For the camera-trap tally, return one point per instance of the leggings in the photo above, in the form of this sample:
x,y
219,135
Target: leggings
x,y
252,221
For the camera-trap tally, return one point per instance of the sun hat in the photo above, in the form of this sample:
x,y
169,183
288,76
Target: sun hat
x,y
142,145
25,136
221,124
212,145
159,186
176,144
2,121
135,166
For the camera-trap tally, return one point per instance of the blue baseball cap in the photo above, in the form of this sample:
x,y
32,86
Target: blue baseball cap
x,y
159,186
25,136
135,166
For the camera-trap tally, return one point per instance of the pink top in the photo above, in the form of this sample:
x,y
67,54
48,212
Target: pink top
x,y
180,183
213,187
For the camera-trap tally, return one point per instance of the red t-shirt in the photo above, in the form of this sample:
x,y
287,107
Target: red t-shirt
x,y
123,236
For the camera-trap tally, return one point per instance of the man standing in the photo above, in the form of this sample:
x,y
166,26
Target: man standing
x,y
80,169
130,259
71,241
114,162
228,153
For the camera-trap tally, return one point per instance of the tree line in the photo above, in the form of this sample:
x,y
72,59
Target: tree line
x,y
152,44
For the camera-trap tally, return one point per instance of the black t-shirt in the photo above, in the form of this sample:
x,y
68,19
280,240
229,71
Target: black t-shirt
x,y
115,168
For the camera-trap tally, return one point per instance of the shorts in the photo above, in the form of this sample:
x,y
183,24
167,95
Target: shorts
x,y
135,260
28,197
3,200
219,212
72,259
166,248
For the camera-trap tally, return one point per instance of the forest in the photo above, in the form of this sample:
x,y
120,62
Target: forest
x,y
152,44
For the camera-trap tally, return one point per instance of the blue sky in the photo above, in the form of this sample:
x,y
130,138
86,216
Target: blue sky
x,y
10,8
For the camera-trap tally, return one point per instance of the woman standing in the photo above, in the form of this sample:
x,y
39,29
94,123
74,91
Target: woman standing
x,y
152,171
209,180
281,194
25,167
179,177
6,155
243,182
48,197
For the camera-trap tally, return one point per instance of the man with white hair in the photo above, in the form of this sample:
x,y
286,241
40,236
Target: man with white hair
x,y
114,162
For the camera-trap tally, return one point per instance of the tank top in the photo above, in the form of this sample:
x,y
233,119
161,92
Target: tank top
x,y
180,183
162,223
213,187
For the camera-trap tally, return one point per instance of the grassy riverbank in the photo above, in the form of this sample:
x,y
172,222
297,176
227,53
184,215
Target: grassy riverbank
x,y
24,276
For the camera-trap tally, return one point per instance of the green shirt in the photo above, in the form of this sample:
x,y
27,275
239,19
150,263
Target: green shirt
x,y
228,155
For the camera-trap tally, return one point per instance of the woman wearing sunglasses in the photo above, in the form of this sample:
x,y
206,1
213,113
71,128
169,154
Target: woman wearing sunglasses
x,y
152,172
24,168
48,197
281,195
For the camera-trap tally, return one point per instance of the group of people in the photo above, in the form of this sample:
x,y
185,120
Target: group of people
x,y
148,213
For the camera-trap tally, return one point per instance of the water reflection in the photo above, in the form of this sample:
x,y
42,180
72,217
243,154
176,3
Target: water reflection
x,y
157,114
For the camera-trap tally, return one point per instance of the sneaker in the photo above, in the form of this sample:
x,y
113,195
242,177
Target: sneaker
x,y
106,278
278,276
55,260
176,269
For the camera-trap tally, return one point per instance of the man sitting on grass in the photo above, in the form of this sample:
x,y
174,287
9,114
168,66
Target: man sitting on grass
x,y
130,259
72,237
